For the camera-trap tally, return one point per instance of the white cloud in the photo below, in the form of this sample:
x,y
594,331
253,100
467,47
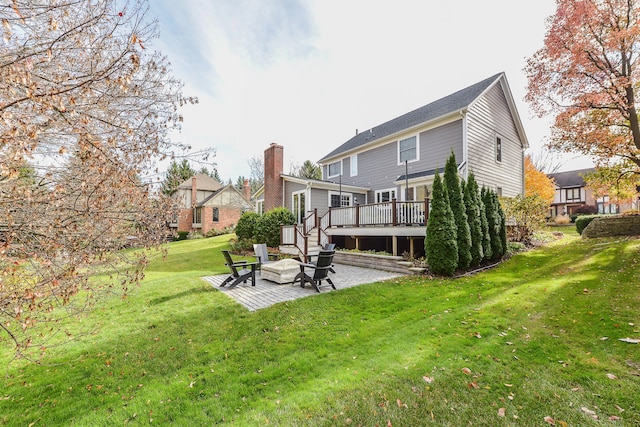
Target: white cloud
x,y
307,74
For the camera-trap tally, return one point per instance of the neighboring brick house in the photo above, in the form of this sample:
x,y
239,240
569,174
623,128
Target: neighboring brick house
x,y
572,192
203,204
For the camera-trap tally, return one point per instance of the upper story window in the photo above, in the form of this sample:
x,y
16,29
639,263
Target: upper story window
x,y
260,207
408,149
498,149
353,165
335,169
573,194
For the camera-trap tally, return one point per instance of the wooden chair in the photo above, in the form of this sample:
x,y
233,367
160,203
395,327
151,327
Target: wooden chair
x,y
262,254
320,269
241,271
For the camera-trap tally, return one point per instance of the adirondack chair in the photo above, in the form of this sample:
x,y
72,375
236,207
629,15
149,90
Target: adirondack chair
x,y
328,247
262,254
241,271
320,269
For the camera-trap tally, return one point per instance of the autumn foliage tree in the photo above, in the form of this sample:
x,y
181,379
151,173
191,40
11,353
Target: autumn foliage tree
x,y
87,105
587,75
616,181
537,182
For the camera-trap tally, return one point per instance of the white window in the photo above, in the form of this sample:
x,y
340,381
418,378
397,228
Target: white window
x,y
335,169
354,165
384,196
260,207
339,200
498,149
408,149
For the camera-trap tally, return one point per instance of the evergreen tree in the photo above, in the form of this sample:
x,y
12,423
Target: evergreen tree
x,y
486,238
452,182
440,244
471,197
493,221
176,174
503,225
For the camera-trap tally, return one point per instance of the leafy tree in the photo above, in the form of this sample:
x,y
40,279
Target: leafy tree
x,y
91,106
537,182
587,75
310,170
176,174
452,182
618,181
471,203
440,244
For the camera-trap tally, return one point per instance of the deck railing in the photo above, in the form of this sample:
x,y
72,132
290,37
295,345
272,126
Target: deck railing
x,y
391,213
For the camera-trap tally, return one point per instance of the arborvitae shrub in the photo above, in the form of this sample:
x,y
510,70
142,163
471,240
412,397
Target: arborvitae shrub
x,y
471,196
440,244
493,221
452,182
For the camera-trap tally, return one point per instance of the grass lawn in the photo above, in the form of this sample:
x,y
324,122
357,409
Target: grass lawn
x,y
536,337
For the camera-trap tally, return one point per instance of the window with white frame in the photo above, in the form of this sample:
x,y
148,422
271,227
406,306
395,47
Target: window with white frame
x,y
384,196
354,165
408,149
573,194
498,149
334,169
260,207
339,200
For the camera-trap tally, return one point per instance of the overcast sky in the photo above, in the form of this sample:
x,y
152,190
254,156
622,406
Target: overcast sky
x,y
307,74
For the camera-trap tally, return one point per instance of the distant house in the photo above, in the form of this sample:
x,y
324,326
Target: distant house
x,y
375,186
572,193
203,204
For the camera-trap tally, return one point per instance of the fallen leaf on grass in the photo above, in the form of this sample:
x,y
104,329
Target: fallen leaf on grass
x,y
400,404
477,335
630,340
619,408
428,380
550,420
589,412
614,418
501,412
612,377
473,385
466,371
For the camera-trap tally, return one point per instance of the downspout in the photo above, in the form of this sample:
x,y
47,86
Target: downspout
x,y
465,145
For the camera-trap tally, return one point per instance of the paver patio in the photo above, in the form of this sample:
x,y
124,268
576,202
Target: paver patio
x,y
266,293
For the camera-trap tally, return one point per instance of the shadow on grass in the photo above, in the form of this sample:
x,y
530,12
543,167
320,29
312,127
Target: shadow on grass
x,y
182,294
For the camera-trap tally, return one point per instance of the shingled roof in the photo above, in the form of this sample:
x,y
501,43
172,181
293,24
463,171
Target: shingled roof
x,y
457,101
570,179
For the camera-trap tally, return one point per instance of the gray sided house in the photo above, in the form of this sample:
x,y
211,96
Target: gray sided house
x,y
375,187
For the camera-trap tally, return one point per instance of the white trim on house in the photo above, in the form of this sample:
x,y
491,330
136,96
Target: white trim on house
x,y
392,194
353,165
416,140
329,175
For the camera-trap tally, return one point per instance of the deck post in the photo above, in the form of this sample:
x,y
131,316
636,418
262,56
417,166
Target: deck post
x,y
394,214
394,245
357,215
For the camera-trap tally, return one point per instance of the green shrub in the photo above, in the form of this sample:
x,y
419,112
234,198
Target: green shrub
x,y
492,207
268,226
214,232
471,202
515,247
529,214
583,220
440,243
463,233
182,235
246,227
193,235
241,245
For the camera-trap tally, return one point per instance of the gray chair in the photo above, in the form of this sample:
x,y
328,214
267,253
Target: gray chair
x,y
262,254
320,270
241,271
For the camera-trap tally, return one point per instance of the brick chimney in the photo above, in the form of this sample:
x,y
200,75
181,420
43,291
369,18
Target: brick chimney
x,y
273,167
247,190
194,191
